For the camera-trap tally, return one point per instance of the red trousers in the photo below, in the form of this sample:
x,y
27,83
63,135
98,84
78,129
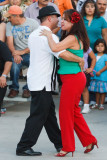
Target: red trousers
x,y
69,112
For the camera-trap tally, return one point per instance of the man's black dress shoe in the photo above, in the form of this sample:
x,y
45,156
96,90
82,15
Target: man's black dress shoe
x,y
58,149
28,152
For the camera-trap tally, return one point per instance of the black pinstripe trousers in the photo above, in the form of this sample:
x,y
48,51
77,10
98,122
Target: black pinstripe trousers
x,y
42,113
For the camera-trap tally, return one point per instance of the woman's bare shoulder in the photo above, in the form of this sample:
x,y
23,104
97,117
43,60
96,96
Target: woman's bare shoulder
x,y
71,38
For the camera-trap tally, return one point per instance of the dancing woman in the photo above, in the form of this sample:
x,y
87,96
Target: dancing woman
x,y
75,40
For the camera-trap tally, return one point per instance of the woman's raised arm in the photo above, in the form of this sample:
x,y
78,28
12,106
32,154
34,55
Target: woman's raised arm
x,y
56,47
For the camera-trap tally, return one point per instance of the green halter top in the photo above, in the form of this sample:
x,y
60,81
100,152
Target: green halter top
x,y
69,67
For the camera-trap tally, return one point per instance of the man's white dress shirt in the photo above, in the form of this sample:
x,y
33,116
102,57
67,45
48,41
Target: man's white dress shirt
x,y
41,61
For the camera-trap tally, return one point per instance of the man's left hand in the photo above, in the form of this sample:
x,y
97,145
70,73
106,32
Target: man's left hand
x,y
2,82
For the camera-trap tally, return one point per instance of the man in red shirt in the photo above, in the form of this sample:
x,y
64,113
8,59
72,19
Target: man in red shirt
x,y
63,5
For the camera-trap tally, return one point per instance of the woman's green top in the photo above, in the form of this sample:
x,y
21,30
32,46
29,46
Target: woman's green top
x,y
69,67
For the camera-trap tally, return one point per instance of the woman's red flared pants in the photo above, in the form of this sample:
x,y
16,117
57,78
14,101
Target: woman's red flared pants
x,y
69,112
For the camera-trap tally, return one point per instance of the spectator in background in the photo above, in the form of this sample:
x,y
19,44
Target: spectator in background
x,y
79,5
96,26
63,5
17,32
99,80
74,3
33,11
4,58
88,71
2,29
5,66
11,3
102,7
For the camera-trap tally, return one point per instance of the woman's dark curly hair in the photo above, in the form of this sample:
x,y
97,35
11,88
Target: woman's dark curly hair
x,y
96,13
77,29
97,43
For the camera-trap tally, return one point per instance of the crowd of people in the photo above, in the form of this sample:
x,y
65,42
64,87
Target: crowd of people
x,y
29,32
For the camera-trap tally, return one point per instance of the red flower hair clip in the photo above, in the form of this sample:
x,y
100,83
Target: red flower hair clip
x,y
75,17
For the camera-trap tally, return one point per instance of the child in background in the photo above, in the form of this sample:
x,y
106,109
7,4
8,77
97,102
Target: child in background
x,y
99,81
87,71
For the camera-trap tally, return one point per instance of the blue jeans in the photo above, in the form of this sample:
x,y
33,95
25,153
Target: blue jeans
x,y
15,71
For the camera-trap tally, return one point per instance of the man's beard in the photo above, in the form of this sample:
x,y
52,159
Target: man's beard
x,y
102,10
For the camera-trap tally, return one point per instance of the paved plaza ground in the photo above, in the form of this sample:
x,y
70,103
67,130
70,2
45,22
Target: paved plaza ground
x,y
12,125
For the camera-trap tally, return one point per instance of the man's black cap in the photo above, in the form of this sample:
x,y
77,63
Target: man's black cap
x,y
47,11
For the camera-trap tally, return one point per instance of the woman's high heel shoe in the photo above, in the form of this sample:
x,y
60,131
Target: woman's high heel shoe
x,y
60,154
92,147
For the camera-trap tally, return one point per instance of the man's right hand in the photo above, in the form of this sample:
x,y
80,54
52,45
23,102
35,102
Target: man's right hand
x,y
81,64
17,59
2,82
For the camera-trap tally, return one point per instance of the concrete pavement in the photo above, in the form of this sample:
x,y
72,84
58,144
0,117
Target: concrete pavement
x,y
12,125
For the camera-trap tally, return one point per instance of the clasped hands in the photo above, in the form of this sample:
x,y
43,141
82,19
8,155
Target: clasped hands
x,y
17,56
